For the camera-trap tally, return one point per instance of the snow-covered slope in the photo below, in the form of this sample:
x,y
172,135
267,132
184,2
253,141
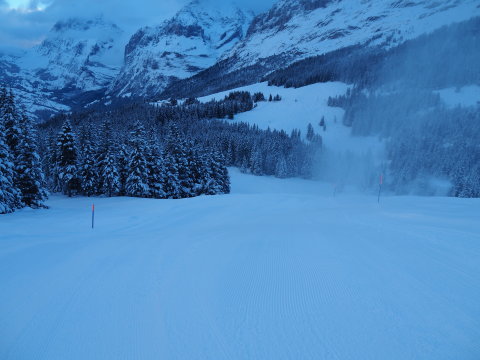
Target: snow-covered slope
x,y
279,269
296,29
346,159
189,42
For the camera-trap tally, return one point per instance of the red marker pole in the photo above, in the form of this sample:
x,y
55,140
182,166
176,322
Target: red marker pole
x,y
93,215
380,183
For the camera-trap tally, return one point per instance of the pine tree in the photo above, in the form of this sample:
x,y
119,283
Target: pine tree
x,y
137,181
256,163
11,121
281,170
88,170
323,124
9,194
31,181
122,163
67,160
156,170
222,173
12,131
171,182
50,161
310,132
108,174
197,169
175,145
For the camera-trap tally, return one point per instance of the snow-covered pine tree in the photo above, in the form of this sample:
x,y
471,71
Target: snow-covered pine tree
x,y
50,168
108,174
9,194
67,154
11,122
137,180
281,170
175,145
171,183
223,178
156,170
256,163
310,132
87,169
30,178
210,174
217,178
197,169
122,163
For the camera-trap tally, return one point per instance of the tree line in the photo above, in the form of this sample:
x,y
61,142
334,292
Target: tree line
x,y
97,160
22,182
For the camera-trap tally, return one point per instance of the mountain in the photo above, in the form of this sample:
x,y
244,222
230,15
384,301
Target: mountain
x,y
77,53
77,57
293,30
193,40
206,48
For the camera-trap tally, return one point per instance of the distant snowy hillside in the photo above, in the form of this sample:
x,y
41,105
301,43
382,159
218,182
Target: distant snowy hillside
x,y
189,42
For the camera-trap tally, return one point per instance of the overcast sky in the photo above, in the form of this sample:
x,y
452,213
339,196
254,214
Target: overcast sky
x,y
24,23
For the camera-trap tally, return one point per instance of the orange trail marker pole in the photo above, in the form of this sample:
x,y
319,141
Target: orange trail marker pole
x,y
380,183
93,215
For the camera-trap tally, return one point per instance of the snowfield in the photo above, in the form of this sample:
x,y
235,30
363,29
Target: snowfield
x,y
279,269
302,106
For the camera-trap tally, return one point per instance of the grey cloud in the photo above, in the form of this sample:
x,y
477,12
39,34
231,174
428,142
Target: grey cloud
x,y
23,29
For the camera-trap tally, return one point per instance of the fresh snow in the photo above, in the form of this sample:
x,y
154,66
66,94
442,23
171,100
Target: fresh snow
x,y
346,158
298,108
279,269
465,96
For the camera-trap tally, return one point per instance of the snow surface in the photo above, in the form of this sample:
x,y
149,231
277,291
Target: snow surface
x,y
279,269
346,159
300,107
465,96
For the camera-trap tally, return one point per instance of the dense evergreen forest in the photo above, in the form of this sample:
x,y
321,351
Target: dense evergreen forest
x,y
171,150
185,143
21,176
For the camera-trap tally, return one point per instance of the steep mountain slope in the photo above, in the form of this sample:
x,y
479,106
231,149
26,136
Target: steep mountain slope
x,y
180,47
296,29
81,54
77,56
301,28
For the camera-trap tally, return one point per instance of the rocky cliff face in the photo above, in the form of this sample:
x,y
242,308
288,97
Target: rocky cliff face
x,y
296,29
179,48
77,56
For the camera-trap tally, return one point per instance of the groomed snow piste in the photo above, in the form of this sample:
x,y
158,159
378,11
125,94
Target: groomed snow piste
x,y
279,269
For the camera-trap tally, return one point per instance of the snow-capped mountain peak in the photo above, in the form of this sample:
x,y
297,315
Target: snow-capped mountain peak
x,y
79,53
191,41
